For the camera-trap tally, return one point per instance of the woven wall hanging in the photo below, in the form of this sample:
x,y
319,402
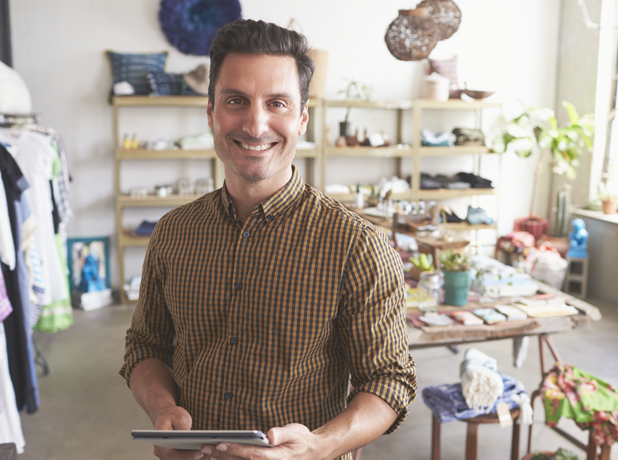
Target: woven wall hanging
x,y
190,25
412,35
445,13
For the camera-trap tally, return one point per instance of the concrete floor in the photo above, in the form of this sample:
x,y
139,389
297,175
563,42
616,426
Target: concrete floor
x,y
87,412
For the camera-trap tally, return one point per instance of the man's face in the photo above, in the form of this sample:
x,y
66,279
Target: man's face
x,y
257,118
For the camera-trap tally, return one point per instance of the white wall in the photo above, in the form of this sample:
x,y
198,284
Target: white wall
x,y
510,46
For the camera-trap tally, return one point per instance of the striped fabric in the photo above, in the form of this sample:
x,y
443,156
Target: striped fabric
x,y
264,321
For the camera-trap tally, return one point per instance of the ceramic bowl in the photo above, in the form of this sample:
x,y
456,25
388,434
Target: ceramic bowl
x,y
477,94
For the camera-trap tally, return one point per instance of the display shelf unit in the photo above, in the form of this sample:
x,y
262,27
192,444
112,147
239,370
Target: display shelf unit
x,y
416,151
124,237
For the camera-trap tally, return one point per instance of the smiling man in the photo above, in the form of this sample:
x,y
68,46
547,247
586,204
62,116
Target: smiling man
x,y
263,301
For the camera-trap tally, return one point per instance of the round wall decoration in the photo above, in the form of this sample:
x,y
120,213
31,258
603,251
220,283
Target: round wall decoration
x,y
412,35
190,25
446,15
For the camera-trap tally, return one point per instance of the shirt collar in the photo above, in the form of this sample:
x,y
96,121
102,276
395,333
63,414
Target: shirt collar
x,y
275,205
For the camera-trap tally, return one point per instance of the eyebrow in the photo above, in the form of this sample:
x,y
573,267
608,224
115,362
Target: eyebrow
x,y
242,93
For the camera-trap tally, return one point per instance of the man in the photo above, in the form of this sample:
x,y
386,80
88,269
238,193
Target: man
x,y
259,300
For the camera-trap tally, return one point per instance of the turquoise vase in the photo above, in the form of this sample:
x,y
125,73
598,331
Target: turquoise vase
x,y
456,285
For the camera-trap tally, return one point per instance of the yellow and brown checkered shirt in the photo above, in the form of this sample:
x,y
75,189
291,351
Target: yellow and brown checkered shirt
x,y
263,321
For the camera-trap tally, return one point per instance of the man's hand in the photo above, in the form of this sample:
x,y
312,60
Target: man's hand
x,y
293,441
174,418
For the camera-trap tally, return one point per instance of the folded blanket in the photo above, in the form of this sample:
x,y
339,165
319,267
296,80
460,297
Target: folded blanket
x,y
448,403
480,381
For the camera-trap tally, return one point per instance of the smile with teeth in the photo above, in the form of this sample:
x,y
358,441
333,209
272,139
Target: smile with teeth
x,y
258,148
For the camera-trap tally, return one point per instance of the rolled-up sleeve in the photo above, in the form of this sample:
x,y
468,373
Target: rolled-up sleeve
x,y
151,334
373,324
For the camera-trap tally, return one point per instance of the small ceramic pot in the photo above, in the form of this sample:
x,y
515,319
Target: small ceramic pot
x,y
456,285
610,207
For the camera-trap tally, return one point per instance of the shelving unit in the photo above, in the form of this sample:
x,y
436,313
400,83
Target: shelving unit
x,y
124,237
416,151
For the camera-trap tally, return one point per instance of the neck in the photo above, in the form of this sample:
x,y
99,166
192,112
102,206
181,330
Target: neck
x,y
247,195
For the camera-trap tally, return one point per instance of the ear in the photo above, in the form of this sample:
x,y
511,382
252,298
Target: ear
x,y
304,118
209,113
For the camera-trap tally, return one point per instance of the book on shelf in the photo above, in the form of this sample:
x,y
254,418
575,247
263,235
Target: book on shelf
x,y
489,315
91,300
436,320
541,300
512,313
466,318
540,311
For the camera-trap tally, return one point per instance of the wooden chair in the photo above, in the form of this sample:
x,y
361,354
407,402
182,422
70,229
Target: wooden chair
x,y
472,435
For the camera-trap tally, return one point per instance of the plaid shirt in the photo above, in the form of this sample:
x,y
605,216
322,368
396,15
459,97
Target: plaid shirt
x,y
263,321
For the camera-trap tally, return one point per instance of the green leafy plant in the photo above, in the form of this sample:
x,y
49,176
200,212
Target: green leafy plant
x,y
537,128
454,262
355,91
605,194
423,262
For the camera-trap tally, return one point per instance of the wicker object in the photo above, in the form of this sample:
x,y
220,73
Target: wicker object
x,y
445,13
412,35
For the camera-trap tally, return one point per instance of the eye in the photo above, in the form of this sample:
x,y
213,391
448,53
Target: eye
x,y
278,104
235,101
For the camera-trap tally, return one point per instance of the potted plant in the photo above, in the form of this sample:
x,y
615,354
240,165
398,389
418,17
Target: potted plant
x,y
354,91
456,278
608,198
537,129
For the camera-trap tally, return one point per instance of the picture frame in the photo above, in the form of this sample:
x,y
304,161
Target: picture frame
x,y
78,249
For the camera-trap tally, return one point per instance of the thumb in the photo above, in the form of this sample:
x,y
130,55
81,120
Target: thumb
x,y
281,435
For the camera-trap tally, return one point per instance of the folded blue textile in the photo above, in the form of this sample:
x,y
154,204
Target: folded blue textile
x,y
431,139
145,228
448,403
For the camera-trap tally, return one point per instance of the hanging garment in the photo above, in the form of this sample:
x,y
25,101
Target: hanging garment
x,y
5,303
7,246
10,424
18,333
36,157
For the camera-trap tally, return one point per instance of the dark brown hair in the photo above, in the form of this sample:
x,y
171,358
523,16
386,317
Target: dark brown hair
x,y
259,37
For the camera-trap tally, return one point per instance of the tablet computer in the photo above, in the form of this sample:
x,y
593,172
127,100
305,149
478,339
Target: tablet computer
x,y
194,439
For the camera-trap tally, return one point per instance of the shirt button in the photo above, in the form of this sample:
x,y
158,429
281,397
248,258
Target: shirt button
x,y
228,395
234,340
269,218
246,234
238,286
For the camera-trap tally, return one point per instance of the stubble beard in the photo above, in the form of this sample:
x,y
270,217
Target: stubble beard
x,y
256,172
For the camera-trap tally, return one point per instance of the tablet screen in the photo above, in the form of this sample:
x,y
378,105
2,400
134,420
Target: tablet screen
x,y
194,439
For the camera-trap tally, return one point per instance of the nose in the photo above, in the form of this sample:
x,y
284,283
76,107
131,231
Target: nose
x,y
256,121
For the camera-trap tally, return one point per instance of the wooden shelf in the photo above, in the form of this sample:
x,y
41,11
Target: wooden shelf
x,y
349,197
179,154
127,239
154,201
160,101
448,194
307,153
456,150
455,104
370,104
378,152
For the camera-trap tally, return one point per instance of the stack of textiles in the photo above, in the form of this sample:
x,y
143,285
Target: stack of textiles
x,y
480,381
448,403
